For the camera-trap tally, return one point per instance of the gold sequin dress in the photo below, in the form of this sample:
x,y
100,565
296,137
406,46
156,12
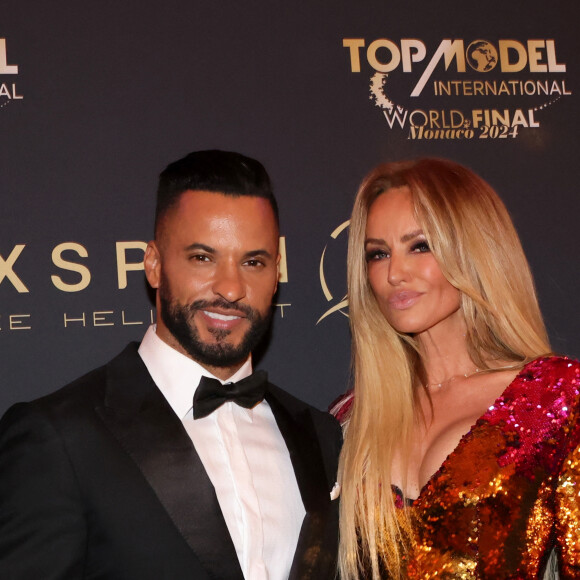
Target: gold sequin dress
x,y
509,493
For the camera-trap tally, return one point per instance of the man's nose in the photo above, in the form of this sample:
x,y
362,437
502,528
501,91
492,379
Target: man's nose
x,y
229,283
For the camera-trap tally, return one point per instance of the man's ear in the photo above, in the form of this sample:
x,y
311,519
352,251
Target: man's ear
x,y
152,263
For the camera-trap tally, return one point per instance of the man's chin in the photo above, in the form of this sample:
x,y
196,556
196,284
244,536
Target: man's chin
x,y
217,337
208,344
217,348
220,345
219,355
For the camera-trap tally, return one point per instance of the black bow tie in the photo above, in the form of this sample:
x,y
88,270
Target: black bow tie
x,y
211,394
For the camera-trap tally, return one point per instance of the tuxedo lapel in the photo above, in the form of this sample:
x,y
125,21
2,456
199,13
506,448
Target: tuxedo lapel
x,y
300,437
142,421
315,556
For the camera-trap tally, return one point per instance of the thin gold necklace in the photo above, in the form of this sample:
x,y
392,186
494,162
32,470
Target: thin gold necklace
x,y
451,379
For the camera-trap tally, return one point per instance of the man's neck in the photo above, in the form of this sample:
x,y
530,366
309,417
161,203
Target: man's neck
x,y
222,373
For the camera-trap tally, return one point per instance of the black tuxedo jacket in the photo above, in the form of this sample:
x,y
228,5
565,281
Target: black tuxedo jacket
x,y
101,481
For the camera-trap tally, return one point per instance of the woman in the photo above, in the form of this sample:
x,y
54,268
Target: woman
x,y
461,454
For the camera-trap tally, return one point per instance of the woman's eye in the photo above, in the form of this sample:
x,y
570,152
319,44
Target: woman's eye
x,y
420,247
371,255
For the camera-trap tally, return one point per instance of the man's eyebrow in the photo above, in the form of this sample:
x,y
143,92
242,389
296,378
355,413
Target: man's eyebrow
x,y
252,253
258,253
198,246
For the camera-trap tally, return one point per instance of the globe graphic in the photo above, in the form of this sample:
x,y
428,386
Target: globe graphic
x,y
482,56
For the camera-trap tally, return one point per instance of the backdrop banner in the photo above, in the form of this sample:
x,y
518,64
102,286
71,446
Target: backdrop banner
x,y
96,98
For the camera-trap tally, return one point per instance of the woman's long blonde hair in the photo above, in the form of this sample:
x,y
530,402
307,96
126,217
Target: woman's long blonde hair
x,y
475,243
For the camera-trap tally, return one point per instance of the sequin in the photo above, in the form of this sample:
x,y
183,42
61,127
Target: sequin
x,y
509,494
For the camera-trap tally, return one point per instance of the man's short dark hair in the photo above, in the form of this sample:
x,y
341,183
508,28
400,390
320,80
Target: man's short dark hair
x,y
224,172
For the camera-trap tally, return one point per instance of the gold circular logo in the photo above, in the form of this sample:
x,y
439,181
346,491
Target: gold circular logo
x,y
342,303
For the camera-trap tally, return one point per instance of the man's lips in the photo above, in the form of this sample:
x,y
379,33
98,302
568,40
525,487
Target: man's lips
x,y
218,316
222,319
404,299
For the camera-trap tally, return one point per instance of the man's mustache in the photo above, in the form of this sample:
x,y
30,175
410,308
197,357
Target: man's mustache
x,y
249,312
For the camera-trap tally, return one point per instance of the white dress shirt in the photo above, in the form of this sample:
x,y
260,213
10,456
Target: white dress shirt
x,y
246,459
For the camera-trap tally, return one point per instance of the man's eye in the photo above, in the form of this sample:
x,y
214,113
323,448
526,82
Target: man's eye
x,y
254,263
199,258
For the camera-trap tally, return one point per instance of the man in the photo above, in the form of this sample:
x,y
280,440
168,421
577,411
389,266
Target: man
x,y
116,476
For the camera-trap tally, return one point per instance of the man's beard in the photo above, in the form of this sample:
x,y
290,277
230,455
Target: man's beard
x,y
178,318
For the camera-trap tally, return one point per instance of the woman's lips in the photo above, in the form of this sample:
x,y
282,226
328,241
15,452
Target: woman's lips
x,y
404,299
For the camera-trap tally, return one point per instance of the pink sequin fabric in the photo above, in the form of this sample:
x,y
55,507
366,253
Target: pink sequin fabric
x,y
509,494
